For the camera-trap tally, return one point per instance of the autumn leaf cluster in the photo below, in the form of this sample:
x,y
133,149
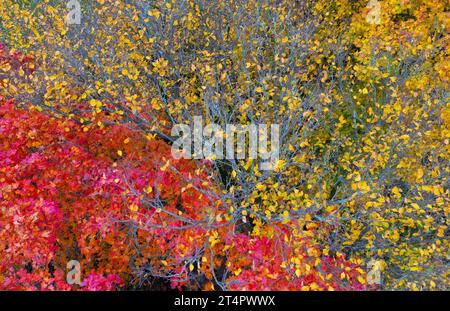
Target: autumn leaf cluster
x,y
362,186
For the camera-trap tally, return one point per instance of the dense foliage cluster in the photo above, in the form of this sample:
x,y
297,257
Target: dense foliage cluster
x,y
86,171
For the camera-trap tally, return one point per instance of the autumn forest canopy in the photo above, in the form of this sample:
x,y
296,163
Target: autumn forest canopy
x,y
93,196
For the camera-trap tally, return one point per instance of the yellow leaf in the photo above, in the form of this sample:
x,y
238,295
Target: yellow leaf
x,y
291,148
419,174
432,284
